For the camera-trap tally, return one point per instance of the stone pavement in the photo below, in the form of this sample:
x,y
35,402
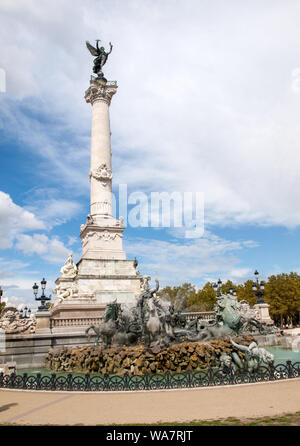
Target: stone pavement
x,y
63,408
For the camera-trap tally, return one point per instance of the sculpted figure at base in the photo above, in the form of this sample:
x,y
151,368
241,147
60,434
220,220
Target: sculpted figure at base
x,y
12,323
255,356
65,291
69,270
153,322
230,321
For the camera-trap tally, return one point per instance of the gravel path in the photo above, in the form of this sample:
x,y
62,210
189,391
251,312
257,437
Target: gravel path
x,y
63,408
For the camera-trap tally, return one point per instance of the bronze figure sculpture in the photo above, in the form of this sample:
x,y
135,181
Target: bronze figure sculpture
x,y
101,57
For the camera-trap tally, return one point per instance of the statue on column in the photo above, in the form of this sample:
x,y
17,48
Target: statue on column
x,y
101,57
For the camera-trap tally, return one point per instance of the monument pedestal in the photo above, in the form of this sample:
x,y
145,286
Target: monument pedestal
x,y
103,274
263,313
42,322
98,282
102,242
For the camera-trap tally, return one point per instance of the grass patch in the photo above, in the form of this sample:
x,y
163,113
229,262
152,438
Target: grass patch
x,y
290,419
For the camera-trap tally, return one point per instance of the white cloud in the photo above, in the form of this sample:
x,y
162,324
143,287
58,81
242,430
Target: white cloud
x,y
53,209
72,240
204,103
8,267
14,220
18,290
240,274
177,262
51,249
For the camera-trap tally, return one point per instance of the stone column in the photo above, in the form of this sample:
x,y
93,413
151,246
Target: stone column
x,y
99,95
102,234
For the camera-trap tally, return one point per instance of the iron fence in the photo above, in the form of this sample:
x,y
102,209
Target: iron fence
x,y
190,379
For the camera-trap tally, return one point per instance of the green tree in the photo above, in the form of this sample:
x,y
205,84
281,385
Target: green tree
x,y
203,300
227,285
2,306
282,293
245,292
178,295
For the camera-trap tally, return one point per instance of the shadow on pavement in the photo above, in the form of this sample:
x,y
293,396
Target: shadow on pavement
x,y
7,406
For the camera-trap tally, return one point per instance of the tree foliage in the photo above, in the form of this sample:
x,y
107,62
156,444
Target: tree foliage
x,y
244,292
282,293
203,300
178,295
2,306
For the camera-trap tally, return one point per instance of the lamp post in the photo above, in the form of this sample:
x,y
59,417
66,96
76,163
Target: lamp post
x,y
1,294
217,287
258,288
42,298
232,291
25,314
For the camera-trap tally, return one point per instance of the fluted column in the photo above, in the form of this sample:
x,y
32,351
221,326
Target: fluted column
x,y
102,234
99,95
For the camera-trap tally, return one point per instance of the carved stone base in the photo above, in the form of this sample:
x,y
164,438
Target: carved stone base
x,y
102,242
263,313
70,318
97,283
42,322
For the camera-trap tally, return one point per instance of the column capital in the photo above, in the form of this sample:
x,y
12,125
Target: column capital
x,y
100,90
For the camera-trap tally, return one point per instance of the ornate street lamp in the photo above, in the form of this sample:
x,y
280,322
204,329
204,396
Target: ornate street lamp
x,y
25,314
258,288
217,287
232,291
42,298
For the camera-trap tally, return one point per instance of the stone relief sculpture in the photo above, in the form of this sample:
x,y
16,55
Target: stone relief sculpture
x,y
107,236
102,174
69,270
104,235
64,291
89,219
102,93
12,323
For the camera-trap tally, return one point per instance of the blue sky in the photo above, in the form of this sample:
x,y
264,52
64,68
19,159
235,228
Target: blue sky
x,y
208,101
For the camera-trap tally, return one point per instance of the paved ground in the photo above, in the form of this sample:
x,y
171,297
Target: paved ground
x,y
62,408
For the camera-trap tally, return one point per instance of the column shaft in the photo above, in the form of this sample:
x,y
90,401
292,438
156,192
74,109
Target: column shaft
x,y
99,95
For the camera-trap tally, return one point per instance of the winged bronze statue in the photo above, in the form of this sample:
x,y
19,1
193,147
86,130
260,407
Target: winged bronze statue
x,y
101,56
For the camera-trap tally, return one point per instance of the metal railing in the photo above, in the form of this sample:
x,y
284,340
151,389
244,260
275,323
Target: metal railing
x,y
205,378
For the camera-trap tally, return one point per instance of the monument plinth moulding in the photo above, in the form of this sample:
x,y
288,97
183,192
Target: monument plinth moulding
x,y
103,274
